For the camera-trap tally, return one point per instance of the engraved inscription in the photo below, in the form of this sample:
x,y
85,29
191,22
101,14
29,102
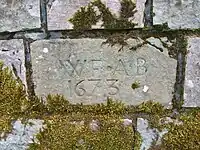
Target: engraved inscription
x,y
73,68
96,66
79,89
120,67
96,82
90,85
78,66
141,68
84,71
112,86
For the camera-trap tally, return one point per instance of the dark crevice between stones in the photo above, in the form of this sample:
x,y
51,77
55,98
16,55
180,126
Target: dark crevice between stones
x,y
49,3
6,35
17,34
146,42
101,33
43,17
28,66
134,126
178,98
94,33
16,73
148,13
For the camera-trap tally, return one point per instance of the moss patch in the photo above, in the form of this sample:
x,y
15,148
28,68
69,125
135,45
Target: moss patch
x,y
12,99
185,135
75,133
84,18
135,85
87,16
69,126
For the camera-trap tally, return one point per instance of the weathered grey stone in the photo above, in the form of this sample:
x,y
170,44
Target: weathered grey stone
x,y
22,135
192,75
148,134
12,55
60,11
85,71
177,13
18,15
35,36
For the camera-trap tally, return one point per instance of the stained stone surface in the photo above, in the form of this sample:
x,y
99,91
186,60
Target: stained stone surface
x,y
60,11
192,75
19,14
12,55
87,72
22,135
177,13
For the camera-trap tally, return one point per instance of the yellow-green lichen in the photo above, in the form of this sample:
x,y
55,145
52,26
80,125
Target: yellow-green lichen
x,y
135,85
184,135
84,18
75,132
87,16
137,141
12,98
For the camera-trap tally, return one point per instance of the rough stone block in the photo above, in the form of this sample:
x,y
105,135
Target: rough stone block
x,y
12,55
60,11
87,72
22,135
19,15
192,75
149,135
177,13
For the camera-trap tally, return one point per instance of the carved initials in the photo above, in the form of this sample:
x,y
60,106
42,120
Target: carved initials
x,y
73,66
141,68
123,68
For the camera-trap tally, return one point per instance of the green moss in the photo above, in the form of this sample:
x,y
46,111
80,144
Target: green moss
x,y
87,16
181,46
153,111
151,107
59,115
84,18
35,108
184,136
117,39
56,103
135,85
162,27
137,141
12,98
111,135
75,133
71,123
5,124
59,127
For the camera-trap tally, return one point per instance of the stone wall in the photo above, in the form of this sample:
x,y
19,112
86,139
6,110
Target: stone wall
x,y
132,50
